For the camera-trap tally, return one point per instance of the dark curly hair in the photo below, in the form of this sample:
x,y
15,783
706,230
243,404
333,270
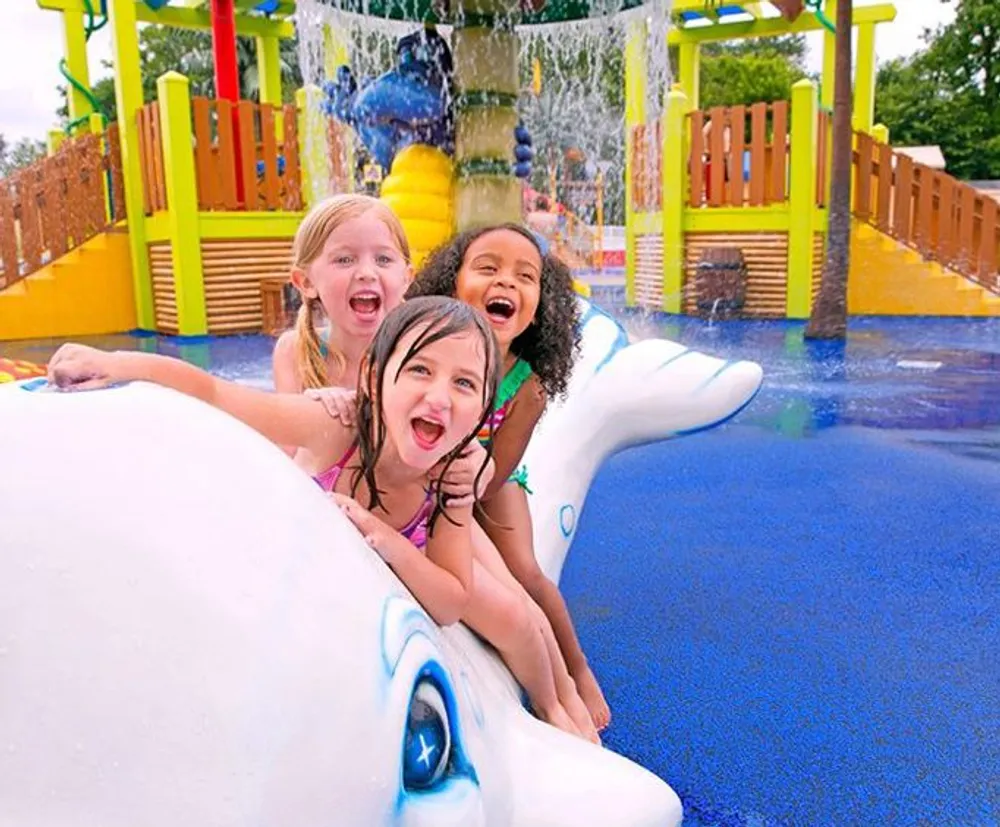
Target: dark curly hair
x,y
550,345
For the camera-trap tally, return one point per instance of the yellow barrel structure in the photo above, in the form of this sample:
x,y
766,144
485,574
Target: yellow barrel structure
x,y
420,190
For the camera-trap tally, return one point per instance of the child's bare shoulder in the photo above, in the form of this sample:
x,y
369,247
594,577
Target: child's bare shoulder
x,y
285,346
284,363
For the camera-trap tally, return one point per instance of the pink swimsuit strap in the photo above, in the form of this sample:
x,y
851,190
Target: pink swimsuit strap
x,y
328,479
415,530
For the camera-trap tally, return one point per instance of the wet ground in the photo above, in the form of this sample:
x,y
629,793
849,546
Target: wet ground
x,y
797,615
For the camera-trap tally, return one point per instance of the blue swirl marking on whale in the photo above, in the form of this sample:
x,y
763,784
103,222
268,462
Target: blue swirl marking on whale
x,y
567,519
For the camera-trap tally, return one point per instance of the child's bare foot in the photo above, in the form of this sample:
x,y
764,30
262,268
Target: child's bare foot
x,y
590,691
559,718
578,711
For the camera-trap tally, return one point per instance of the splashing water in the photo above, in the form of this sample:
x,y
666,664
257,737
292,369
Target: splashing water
x,y
581,103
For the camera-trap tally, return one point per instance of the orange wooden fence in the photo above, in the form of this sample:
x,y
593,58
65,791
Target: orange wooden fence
x,y
647,153
719,140
941,218
717,168
59,202
926,209
154,187
269,163
270,166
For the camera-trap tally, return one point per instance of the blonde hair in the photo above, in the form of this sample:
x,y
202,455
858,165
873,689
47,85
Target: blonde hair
x,y
310,237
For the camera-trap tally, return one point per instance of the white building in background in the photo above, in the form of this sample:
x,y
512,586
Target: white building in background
x,y
929,156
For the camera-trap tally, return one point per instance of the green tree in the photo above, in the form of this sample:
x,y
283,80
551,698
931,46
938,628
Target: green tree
x,y
163,49
948,93
21,154
748,71
103,91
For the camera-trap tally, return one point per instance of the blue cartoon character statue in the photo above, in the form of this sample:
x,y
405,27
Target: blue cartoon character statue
x,y
406,120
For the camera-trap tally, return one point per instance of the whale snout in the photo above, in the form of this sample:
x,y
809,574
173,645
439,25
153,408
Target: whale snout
x,y
562,781
724,393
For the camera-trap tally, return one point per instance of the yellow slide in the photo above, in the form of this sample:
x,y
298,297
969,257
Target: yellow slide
x,y
88,291
889,279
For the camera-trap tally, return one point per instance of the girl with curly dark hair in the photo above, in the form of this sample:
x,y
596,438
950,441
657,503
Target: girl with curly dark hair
x,y
527,295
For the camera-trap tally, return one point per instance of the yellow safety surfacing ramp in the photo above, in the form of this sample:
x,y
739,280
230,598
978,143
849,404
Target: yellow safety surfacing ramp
x,y
88,291
889,279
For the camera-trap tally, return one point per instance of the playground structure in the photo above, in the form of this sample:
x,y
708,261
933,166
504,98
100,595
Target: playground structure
x,y
169,219
178,218
756,180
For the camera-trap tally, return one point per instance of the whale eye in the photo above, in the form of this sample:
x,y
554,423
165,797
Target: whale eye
x,y
428,744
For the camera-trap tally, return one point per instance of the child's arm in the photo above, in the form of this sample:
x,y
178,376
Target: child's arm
x,y
511,438
449,549
441,579
285,369
287,419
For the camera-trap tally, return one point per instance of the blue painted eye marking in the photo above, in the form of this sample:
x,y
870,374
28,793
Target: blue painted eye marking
x,y
433,751
567,520
427,744
401,621
433,756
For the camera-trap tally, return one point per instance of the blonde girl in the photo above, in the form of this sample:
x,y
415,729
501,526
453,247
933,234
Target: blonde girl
x,y
351,266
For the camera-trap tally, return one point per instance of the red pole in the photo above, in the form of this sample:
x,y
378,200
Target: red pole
x,y
227,76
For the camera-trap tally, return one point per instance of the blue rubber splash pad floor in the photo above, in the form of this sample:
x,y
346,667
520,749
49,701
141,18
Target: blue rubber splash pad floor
x,y
795,616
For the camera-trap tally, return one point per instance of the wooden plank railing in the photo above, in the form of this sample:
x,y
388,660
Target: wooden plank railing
x,y
269,166
940,217
154,187
59,202
721,138
647,152
738,157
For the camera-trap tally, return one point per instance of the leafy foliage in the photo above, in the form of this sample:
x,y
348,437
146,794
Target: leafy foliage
x,y
748,71
948,93
21,154
163,49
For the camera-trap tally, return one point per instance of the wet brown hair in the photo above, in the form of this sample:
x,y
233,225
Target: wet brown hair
x,y
440,317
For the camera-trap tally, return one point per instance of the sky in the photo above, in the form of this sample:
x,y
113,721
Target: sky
x,y
31,46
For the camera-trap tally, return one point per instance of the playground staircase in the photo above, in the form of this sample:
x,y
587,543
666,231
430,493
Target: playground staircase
x,y
922,243
65,268
889,278
88,291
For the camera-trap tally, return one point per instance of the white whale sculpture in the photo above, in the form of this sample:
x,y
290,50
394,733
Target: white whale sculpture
x,y
191,634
